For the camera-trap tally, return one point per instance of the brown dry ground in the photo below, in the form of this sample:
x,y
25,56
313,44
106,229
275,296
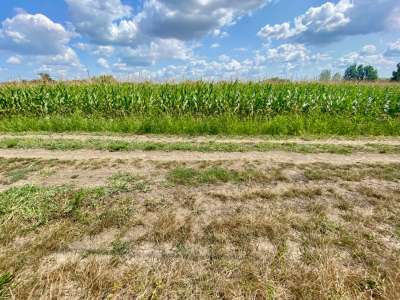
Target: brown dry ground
x,y
201,139
275,225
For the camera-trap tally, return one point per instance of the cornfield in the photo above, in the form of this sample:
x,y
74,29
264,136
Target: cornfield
x,y
200,99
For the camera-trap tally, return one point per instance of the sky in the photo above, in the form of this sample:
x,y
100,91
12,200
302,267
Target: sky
x,y
174,40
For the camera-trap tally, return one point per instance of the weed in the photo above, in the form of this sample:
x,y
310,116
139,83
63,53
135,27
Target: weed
x,y
119,247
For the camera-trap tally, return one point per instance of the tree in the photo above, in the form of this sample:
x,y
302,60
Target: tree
x,y
360,72
45,77
337,77
104,79
396,74
370,73
351,73
326,75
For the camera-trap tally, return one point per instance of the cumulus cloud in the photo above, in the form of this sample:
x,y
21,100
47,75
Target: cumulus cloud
x,y
158,49
14,60
104,50
368,50
112,22
39,40
288,53
367,55
331,22
162,29
224,68
33,35
102,62
191,19
67,58
393,49
104,21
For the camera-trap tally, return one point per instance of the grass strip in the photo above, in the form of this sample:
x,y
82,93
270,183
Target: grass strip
x,y
284,125
116,145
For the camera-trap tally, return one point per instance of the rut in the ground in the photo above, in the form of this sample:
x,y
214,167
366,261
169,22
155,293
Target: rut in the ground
x,y
273,156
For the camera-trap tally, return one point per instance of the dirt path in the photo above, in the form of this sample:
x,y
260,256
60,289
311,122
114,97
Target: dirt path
x,y
273,156
204,139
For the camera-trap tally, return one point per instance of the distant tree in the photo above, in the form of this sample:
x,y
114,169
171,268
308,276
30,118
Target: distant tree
x,y
360,72
104,79
396,74
277,79
45,77
370,73
351,73
326,75
337,77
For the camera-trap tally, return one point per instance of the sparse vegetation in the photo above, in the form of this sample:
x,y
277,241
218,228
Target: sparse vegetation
x,y
213,175
159,224
298,235
115,145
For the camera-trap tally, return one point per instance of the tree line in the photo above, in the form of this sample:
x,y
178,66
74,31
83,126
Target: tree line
x,y
357,73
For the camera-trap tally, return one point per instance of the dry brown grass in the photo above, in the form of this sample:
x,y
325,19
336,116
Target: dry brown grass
x,y
258,231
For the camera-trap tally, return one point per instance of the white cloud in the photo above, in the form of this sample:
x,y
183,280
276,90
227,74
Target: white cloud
x,y
40,42
68,58
288,53
240,49
158,49
215,45
191,19
62,72
319,57
102,62
224,58
110,22
33,35
393,49
14,60
98,50
330,22
104,50
195,69
218,33
162,29
83,46
368,55
368,50
104,21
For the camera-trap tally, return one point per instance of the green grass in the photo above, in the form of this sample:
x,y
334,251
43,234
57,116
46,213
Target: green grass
x,y
4,280
389,172
125,182
211,175
281,125
31,206
120,145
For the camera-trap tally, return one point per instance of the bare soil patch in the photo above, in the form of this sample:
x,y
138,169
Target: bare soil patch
x,y
182,156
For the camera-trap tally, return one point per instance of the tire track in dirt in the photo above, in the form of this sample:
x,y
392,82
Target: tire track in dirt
x,y
185,156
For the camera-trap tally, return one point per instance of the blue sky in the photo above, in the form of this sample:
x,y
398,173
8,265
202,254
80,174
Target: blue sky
x,y
196,39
